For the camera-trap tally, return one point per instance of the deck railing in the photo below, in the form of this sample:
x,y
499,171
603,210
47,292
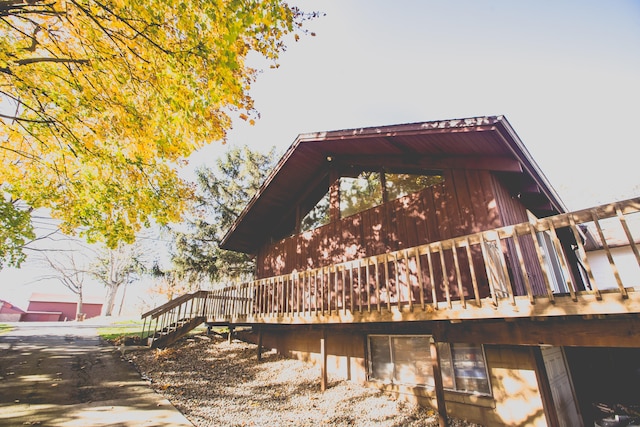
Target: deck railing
x,y
545,267
543,259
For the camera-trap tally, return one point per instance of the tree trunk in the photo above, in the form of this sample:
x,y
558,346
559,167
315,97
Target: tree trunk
x,y
79,315
112,289
124,293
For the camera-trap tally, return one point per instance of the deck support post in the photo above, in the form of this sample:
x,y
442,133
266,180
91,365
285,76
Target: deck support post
x,y
230,337
443,421
323,362
259,344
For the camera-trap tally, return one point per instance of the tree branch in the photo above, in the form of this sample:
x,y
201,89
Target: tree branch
x,y
24,7
19,119
27,61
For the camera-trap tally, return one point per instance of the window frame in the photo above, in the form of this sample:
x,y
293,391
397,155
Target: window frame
x,y
453,373
383,189
430,339
393,381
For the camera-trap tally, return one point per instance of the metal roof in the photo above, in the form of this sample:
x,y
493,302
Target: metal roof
x,y
57,298
473,143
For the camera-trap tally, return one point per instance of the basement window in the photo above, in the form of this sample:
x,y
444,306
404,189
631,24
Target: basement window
x,y
401,359
464,368
406,360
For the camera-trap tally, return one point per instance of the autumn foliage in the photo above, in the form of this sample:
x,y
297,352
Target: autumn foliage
x,y
102,101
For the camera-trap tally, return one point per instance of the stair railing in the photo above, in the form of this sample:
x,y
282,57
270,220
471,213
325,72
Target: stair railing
x,y
183,308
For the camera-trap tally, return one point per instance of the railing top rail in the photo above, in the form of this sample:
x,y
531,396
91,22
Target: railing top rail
x,y
173,303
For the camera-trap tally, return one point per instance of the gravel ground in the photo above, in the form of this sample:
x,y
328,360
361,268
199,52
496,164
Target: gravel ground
x,y
214,383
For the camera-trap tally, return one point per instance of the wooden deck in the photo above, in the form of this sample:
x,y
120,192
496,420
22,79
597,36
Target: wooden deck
x,y
487,275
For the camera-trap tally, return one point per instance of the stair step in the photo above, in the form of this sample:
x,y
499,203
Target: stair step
x,y
174,331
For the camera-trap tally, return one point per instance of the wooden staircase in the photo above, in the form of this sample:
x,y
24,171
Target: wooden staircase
x,y
167,323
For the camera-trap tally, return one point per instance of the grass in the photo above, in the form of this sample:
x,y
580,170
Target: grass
x,y
120,331
5,328
128,332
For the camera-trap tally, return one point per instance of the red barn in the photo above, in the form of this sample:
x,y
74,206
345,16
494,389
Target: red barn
x,y
55,307
9,312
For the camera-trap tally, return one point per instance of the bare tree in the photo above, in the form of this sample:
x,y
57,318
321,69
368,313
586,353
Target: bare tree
x,y
117,267
70,269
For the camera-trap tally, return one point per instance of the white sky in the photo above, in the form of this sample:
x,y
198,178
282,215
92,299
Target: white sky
x,y
566,74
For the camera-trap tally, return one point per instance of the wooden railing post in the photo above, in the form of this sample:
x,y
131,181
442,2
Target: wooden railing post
x,y
445,274
386,280
434,294
472,272
420,278
456,265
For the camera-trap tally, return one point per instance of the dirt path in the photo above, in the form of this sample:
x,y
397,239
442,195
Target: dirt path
x,y
61,374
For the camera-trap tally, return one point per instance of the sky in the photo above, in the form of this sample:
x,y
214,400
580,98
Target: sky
x,y
565,74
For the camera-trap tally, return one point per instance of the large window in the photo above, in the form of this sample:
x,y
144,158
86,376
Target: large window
x,y
370,189
406,359
367,190
318,216
360,193
401,184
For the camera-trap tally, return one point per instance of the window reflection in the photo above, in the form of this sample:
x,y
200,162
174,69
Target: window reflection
x,y
367,190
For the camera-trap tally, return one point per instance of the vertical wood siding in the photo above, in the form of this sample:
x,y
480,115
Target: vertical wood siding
x,y
468,201
513,212
465,203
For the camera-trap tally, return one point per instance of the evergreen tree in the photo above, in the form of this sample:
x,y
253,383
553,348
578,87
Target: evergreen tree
x,y
222,194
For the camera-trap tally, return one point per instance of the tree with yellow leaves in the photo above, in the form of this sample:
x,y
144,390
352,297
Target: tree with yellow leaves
x,y
103,100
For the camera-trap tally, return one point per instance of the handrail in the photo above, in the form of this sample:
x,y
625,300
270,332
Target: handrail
x,y
155,312
169,317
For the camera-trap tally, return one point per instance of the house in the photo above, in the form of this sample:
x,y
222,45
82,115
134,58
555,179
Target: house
x,y
434,260
58,307
9,312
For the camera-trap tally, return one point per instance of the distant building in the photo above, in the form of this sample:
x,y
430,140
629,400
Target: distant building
x,y
9,312
56,307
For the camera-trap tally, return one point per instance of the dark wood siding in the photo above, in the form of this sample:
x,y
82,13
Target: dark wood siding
x,y
512,211
463,204
468,201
